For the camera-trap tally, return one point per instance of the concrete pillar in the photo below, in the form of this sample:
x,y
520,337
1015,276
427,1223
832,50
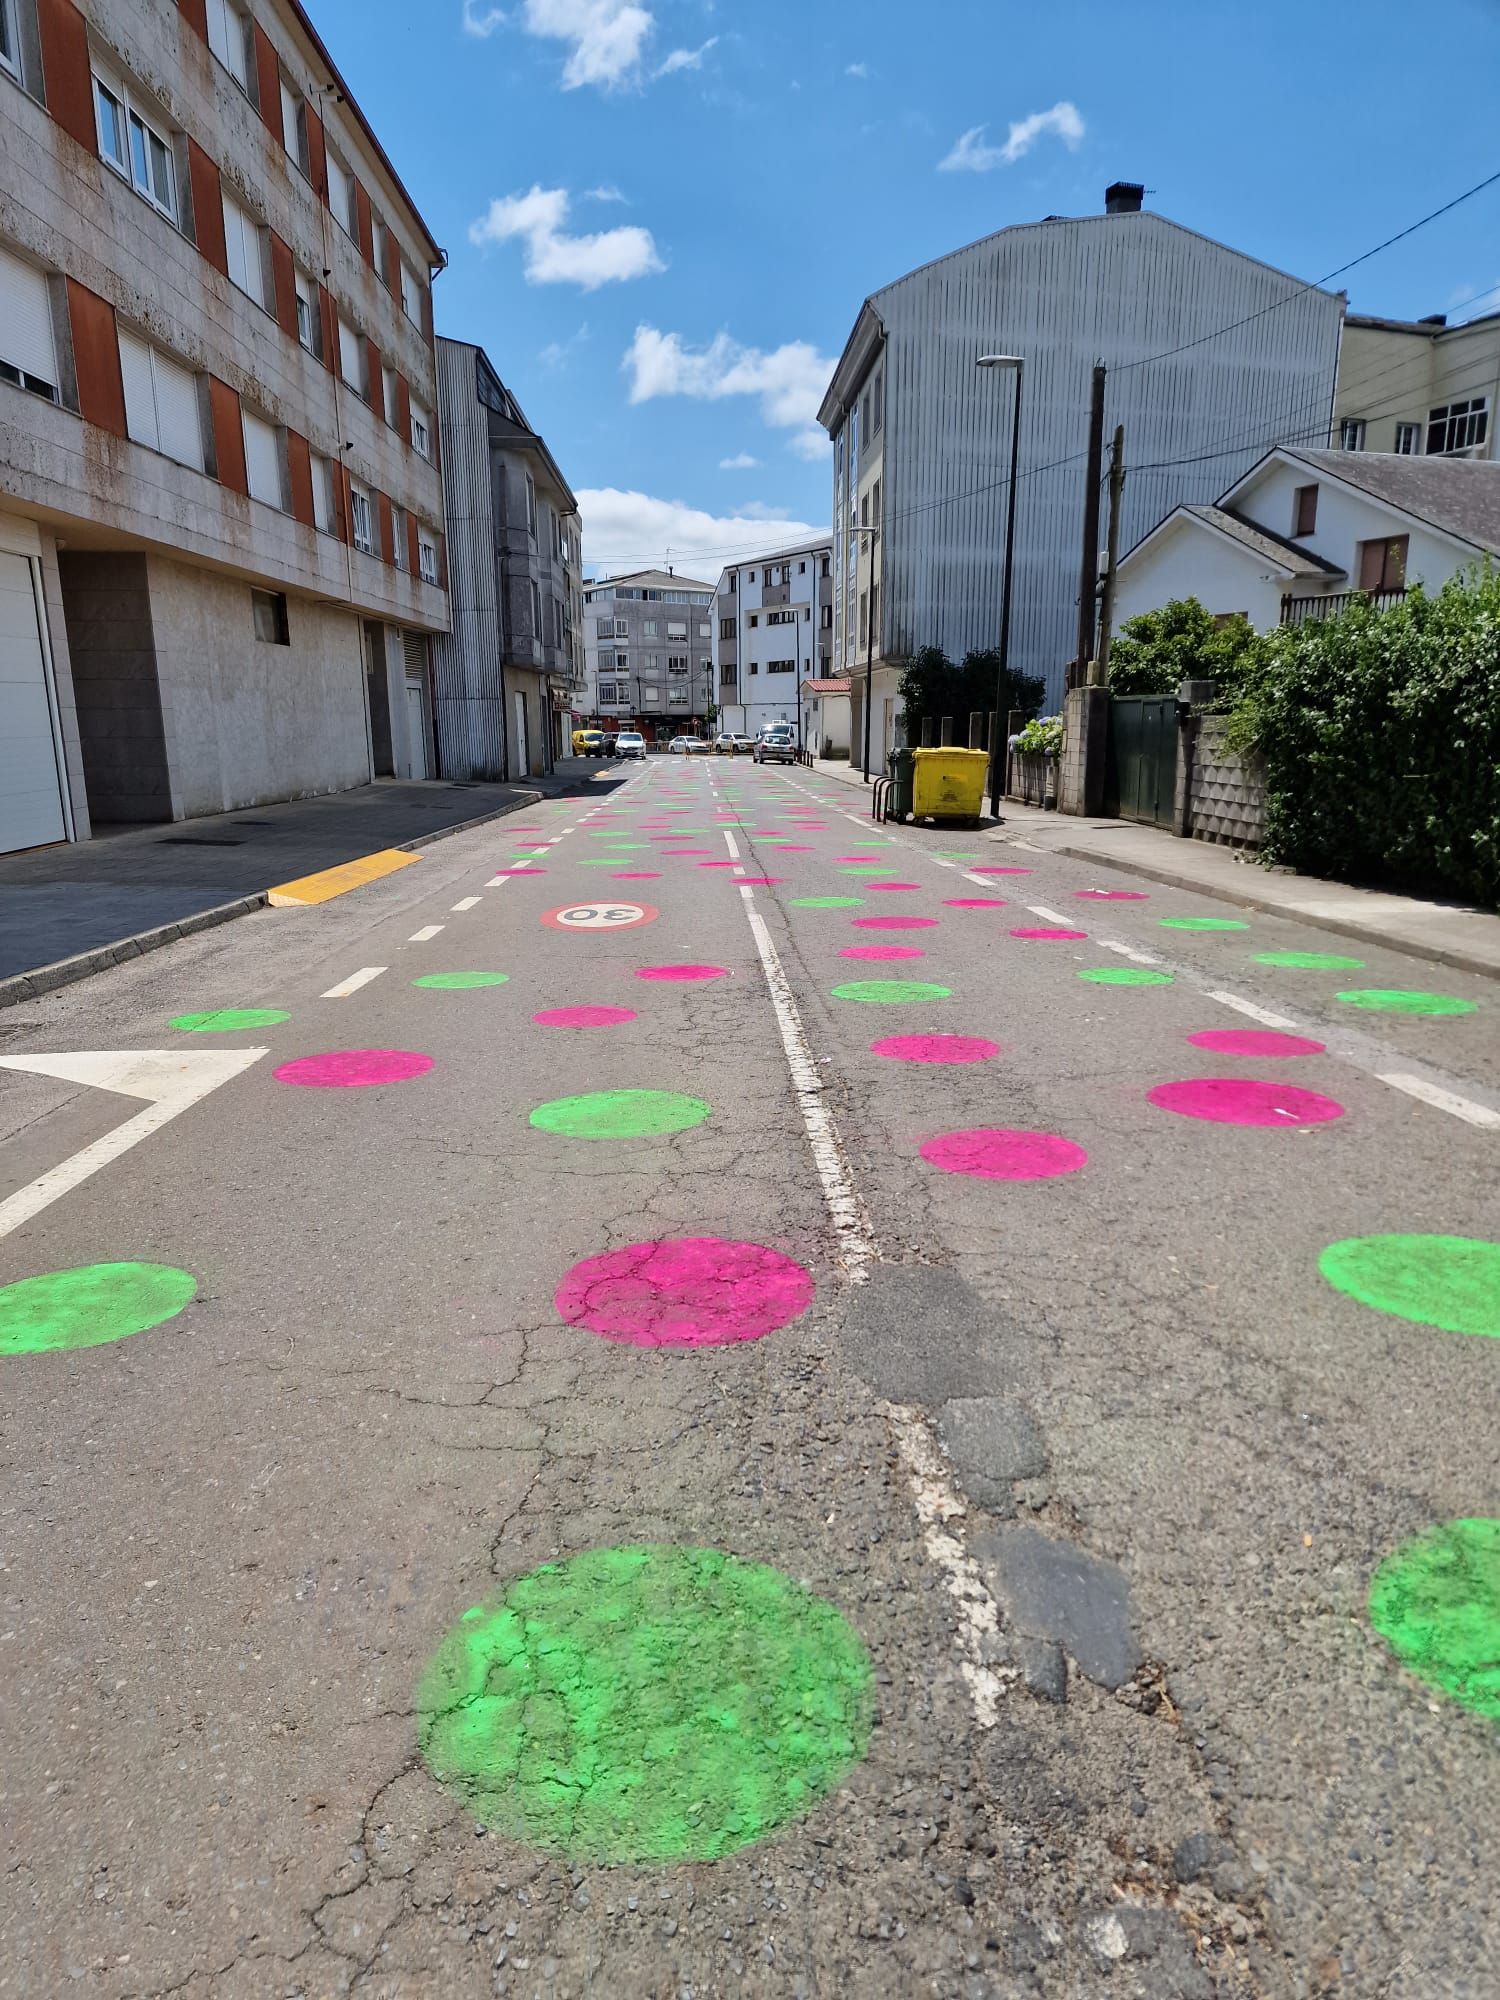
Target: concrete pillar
x,y
945,732
926,743
1080,781
978,734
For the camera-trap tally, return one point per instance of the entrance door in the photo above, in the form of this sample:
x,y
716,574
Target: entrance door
x,y
31,785
415,653
377,699
523,750
1140,780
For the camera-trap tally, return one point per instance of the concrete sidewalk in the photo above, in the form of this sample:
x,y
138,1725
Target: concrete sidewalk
x,y
1447,933
69,910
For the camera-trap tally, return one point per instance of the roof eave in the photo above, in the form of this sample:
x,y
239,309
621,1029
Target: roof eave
x,y
854,364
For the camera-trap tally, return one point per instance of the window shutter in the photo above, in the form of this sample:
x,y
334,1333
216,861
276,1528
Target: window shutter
x,y
1371,564
26,320
234,243
322,485
140,392
179,425
263,461
351,354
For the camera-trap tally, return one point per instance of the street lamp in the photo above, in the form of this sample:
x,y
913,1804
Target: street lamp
x,y
1002,673
866,528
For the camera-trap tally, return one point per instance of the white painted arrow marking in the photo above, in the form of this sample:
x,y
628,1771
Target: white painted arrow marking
x,y
169,1080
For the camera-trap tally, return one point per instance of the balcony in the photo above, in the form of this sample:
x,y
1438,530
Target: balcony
x,y
1305,610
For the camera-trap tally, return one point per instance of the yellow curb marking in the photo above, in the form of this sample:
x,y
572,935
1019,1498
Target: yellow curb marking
x,y
339,881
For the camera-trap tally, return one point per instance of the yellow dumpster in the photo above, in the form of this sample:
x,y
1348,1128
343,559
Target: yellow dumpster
x,y
949,784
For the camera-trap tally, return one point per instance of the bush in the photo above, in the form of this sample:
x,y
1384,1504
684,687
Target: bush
x,y
1158,650
1042,737
932,687
1380,732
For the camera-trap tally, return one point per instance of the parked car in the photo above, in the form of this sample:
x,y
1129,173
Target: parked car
x,y
588,742
630,743
776,746
727,744
698,746
679,746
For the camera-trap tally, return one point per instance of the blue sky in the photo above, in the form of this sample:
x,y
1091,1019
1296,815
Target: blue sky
x,y
662,215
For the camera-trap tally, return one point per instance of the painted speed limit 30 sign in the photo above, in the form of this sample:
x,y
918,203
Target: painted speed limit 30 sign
x,y
601,916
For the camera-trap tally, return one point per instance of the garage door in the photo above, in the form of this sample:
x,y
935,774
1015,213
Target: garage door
x,y
31,799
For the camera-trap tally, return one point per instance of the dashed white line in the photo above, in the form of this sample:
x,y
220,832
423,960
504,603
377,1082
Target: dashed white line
x,y
1128,951
1443,1100
468,903
1262,1014
353,983
425,935
1047,916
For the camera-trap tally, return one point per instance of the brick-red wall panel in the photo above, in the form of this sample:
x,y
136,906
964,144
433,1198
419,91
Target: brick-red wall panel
x,y
413,554
284,275
229,435
403,408
195,13
377,379
268,78
387,527
96,359
329,320
208,207
299,464
364,222
392,265
65,69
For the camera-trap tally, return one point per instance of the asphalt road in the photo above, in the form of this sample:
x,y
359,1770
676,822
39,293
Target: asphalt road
x,y
713,1495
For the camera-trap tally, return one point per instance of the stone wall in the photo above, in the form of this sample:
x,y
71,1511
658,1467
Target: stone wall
x,y
1228,801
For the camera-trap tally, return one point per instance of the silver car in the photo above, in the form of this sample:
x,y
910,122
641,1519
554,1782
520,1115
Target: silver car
x,y
630,743
777,746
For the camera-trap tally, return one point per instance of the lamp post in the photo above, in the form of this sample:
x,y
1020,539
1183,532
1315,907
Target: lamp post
x,y
865,528
1014,363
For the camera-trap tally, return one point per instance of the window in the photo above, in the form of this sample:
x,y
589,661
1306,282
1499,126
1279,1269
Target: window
x,y
161,402
802,569
294,128
876,504
134,147
622,629
726,628
309,325
1382,565
1304,510
824,569
228,37
28,353
421,431
388,393
1458,426
752,576
730,584
676,631
242,242
622,662
754,620
650,662
411,294
1352,434
398,536
362,520
322,485
678,697
781,666
427,562
877,417
268,609
826,618
263,461
10,41
378,234
530,498
341,195
677,663
728,674
1409,440
651,628
754,667
354,360
705,631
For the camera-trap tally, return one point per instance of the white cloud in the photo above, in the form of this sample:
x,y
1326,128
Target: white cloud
x,y
971,155
552,256
557,353
630,530
741,462
687,58
482,25
789,380
609,192
861,70
604,37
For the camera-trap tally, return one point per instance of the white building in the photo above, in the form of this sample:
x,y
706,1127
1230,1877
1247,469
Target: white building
x,y
1303,529
1213,357
648,652
773,630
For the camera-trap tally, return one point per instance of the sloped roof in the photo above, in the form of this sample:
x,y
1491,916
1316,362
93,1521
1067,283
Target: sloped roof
x,y
828,687
1275,548
1458,496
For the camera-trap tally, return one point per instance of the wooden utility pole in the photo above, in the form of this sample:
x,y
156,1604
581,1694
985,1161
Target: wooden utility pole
x,y
1088,579
1116,494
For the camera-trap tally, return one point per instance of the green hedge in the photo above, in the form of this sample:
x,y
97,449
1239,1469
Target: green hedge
x,y
1158,650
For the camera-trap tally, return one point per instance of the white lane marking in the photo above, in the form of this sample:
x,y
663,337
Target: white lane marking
x,y
1047,916
1262,1014
353,983
937,1502
1128,951
425,935
168,1079
1443,1100
468,903
732,844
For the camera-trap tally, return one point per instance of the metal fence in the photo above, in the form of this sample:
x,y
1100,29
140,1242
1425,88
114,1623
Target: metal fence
x,y
1302,610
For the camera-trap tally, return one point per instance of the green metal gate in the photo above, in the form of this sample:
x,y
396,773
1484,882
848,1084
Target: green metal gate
x,y
1140,779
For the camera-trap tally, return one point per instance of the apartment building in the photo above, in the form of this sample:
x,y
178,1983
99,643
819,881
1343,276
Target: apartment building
x,y
221,513
511,671
1213,357
1419,388
773,632
648,643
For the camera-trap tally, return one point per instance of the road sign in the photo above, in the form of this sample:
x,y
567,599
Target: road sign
x,y
603,916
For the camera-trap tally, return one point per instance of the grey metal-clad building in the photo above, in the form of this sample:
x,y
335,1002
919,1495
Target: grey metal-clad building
x,y
508,676
1213,357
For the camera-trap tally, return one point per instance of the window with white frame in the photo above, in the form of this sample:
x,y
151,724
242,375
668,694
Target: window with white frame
x,y
133,146
229,38
263,461
398,536
1409,440
341,195
161,402
675,631
651,628
362,520
1352,434
10,40
622,629
1458,426
309,321
242,244
378,233
411,293
354,359
388,398
28,349
421,431
427,558
322,486
622,663
294,128
677,663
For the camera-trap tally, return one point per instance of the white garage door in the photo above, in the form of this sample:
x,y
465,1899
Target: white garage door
x,y
31,800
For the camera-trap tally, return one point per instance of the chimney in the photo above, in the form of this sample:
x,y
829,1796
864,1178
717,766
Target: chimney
x,y
1433,319
1124,197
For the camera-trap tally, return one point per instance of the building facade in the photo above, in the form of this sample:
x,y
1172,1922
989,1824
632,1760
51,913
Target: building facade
x,y
511,671
1419,388
1213,355
648,644
221,514
773,629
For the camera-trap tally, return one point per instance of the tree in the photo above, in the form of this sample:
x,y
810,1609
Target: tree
x,y
1158,650
932,687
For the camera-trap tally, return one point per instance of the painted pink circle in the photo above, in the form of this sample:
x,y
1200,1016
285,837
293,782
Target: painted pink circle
x,y
974,903
759,881
882,951
893,885
895,923
636,875
353,1069
1255,1042
681,853
999,871
1113,895
718,864
680,973
856,860
583,1017
1048,931
688,1291
993,1153
1228,1100
935,1048
788,848
500,873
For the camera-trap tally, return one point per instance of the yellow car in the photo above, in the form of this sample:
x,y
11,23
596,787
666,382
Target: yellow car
x,y
588,742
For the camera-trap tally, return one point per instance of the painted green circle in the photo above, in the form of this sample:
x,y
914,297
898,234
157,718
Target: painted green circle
x,y
1309,961
890,992
646,1704
1202,924
231,1020
866,868
620,1114
90,1305
1393,1000
1436,1603
1125,975
602,860
1450,1282
956,854
827,902
461,982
